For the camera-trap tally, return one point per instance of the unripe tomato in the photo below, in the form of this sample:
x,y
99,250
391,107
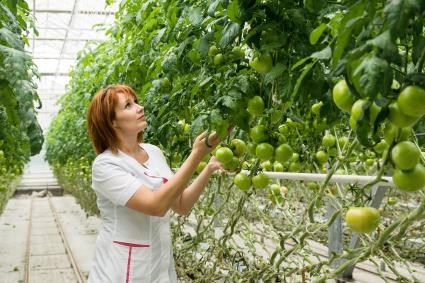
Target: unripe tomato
x,y
313,186
392,201
240,147
262,64
398,118
218,59
201,167
258,133
224,155
277,166
232,165
412,101
266,165
342,96
381,146
242,181
294,167
405,155
284,190
275,188
213,51
295,157
321,157
410,181
264,151
362,219
255,106
283,152
315,108
369,162
260,181
328,140
283,129
342,141
251,147
357,111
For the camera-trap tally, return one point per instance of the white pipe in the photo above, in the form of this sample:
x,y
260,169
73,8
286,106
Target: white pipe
x,y
340,179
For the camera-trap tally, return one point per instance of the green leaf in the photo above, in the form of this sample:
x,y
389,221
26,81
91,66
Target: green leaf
x,y
233,11
195,16
306,70
317,32
398,13
372,76
324,54
351,20
300,62
418,48
276,72
230,32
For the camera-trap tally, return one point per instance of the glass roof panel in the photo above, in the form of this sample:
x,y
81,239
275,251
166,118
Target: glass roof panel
x,y
64,28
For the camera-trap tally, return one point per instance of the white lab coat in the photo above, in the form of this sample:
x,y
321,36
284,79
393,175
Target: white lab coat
x,y
131,246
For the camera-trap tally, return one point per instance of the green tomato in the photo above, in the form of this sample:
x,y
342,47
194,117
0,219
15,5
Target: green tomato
x,y
283,129
239,147
328,140
283,152
242,181
321,157
357,112
342,141
342,96
201,167
224,155
295,157
294,167
398,118
410,181
392,201
218,59
266,165
315,108
258,133
262,64
232,165
405,155
277,166
412,101
213,51
260,181
255,106
381,146
264,151
363,219
313,186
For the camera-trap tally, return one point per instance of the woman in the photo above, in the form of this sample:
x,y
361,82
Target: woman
x,y
135,190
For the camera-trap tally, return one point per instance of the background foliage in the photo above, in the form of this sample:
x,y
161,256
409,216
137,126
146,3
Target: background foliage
x,y
20,133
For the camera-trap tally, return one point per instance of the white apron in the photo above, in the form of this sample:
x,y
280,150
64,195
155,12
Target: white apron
x,y
131,246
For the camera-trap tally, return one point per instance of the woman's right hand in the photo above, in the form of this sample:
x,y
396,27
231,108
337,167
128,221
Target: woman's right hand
x,y
202,148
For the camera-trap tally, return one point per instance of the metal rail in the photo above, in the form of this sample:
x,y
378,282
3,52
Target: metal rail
x,y
70,255
77,270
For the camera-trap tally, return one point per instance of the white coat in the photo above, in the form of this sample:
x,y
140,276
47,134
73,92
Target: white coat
x,y
131,246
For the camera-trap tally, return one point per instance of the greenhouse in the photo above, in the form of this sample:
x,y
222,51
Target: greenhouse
x,y
212,141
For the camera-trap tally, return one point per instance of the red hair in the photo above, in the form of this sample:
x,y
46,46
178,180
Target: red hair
x,y
101,114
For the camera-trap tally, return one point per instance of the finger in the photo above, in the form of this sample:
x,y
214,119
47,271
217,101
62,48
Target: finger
x,y
201,136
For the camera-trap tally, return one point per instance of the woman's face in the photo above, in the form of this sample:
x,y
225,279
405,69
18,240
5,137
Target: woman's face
x,y
129,115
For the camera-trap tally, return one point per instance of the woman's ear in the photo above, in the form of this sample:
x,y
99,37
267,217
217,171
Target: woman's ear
x,y
114,124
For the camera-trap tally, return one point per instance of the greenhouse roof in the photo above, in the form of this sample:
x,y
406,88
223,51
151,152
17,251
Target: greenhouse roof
x,y
64,28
